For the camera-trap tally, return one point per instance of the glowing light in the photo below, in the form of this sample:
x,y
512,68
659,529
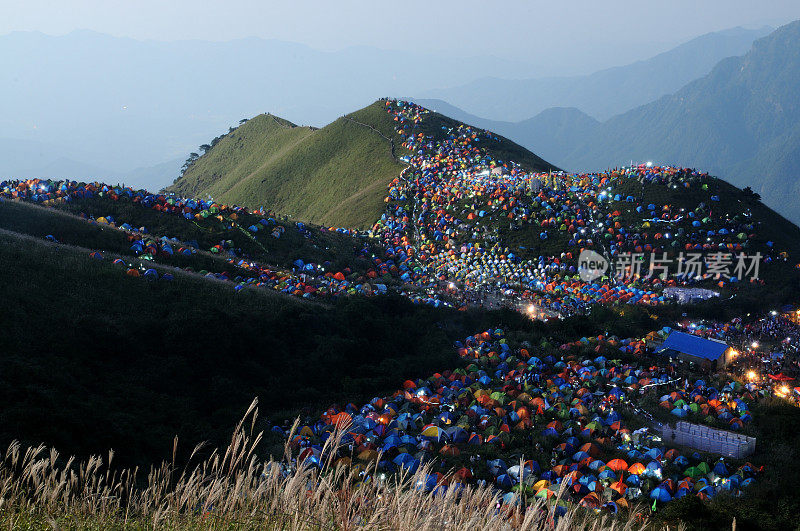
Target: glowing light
x,y
784,390
649,164
451,286
754,344
751,375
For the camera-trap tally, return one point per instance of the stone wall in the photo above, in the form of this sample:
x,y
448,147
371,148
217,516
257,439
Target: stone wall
x,y
709,440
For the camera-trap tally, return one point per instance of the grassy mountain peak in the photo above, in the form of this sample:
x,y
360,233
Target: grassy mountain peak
x,y
337,175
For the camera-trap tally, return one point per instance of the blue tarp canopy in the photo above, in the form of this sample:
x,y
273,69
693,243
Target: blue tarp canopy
x,y
694,345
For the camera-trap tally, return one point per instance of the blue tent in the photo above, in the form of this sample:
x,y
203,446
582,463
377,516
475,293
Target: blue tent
x,y
661,494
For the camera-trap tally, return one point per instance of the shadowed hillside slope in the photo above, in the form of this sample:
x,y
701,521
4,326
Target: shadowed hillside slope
x,y
95,359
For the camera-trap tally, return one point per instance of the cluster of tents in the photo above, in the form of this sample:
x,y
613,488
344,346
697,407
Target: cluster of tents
x,y
555,424
456,172
304,279
135,272
727,405
49,192
552,413
325,285
443,218
455,195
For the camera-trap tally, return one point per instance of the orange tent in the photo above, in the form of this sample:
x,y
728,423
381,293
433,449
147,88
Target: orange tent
x,y
617,465
636,468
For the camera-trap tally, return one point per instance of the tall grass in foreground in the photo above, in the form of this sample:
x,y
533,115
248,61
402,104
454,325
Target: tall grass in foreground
x,y
234,488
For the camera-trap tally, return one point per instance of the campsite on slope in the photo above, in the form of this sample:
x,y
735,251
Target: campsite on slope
x,y
456,237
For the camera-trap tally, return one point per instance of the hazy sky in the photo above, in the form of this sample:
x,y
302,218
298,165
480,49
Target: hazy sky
x,y
578,34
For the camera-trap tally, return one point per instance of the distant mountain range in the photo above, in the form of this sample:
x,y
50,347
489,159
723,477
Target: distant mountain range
x,y
30,157
740,122
605,93
117,103
106,105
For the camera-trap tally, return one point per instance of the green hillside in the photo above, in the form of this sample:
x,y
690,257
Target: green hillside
x,y
337,175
